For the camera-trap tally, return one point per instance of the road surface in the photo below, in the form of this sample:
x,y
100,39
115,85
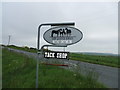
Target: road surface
x,y
105,74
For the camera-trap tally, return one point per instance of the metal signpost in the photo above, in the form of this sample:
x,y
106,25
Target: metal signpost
x,y
38,42
61,35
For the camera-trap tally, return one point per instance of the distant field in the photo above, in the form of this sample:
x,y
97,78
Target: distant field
x,y
96,59
19,71
25,48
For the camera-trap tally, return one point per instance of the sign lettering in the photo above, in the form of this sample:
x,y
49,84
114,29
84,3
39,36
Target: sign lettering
x,y
58,55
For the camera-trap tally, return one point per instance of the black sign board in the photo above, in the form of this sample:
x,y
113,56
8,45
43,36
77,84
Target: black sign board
x,y
57,55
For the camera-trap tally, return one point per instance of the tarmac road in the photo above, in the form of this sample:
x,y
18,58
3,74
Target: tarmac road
x,y
105,74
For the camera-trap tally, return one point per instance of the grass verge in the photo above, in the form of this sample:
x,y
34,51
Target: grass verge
x,y
25,48
19,71
96,59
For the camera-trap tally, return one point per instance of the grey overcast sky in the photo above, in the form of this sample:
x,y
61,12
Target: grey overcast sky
x,y
97,20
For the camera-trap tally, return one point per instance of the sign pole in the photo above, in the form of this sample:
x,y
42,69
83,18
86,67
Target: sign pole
x,y
37,66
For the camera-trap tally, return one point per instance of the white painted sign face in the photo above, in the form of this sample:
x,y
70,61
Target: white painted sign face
x,y
58,55
63,36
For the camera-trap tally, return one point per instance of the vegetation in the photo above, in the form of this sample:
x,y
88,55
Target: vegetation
x,y
25,48
96,59
19,71
103,60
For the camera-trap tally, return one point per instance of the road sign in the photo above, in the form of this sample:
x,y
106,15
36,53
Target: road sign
x,y
63,35
57,55
68,32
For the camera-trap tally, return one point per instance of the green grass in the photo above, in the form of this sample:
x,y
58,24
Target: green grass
x,y
19,71
96,59
23,48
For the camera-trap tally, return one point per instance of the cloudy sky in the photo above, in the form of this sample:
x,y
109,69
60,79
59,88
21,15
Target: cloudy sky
x,y
97,20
